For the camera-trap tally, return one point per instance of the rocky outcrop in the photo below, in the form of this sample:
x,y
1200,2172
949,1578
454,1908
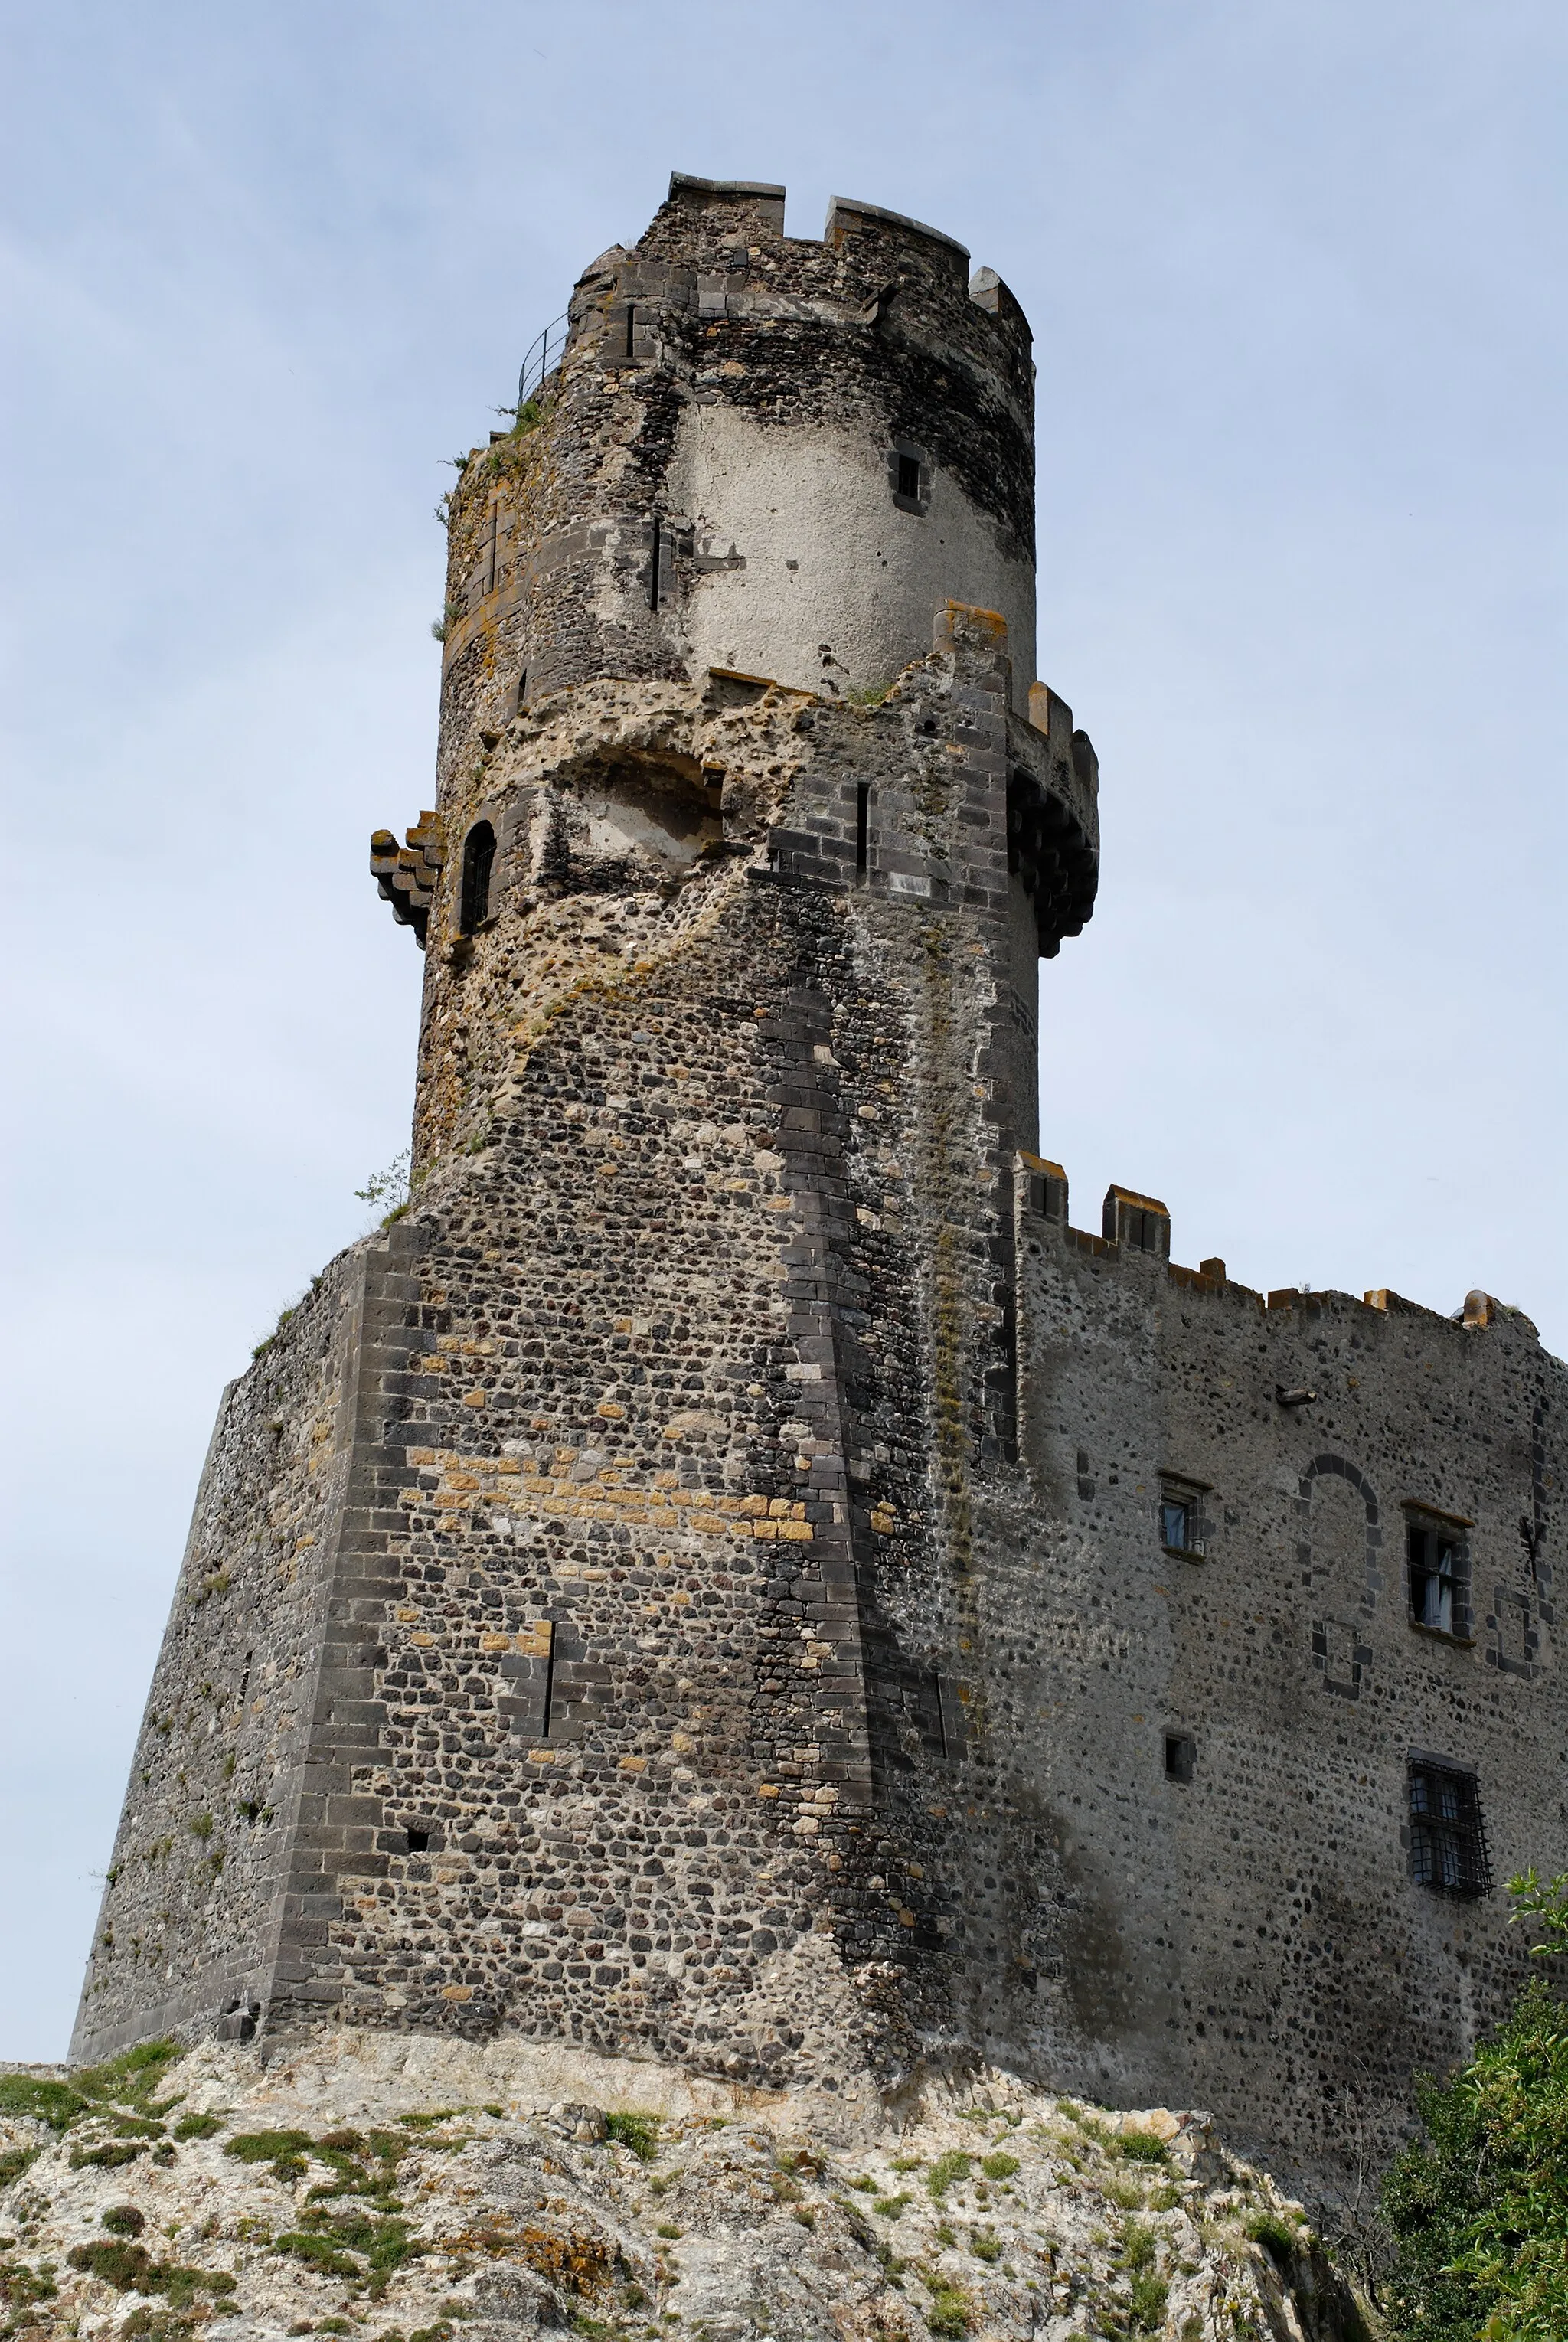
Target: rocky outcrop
x,y
410,2188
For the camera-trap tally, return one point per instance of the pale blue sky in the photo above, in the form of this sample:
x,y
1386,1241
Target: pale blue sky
x,y
1295,269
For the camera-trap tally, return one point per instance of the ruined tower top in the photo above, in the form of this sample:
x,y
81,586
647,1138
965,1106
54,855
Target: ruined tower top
x,y
748,461
758,451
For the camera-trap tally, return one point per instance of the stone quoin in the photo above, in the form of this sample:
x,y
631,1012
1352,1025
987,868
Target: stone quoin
x,y
732,1573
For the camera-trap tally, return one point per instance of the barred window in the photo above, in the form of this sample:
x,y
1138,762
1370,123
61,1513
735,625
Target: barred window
x,y
1447,1836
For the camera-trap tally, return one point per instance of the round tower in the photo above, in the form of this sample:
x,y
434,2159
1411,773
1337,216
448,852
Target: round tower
x,y
750,461
757,452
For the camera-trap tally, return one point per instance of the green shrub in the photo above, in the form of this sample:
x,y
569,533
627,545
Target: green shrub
x,y
639,2132
999,2167
110,2156
1147,2308
130,2077
54,2103
386,2244
285,2150
1478,2203
196,2127
952,2313
946,2172
1277,2236
15,2160
21,2287
1140,2147
131,2268
318,2253
146,2324
984,2244
123,2220
1138,2247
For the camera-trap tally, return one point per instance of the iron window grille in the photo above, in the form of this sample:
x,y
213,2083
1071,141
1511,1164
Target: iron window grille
x,y
1448,1849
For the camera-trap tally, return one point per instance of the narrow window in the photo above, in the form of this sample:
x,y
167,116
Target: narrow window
x,y
1447,1839
521,698
653,570
909,476
418,1841
1181,1518
547,1702
862,828
478,861
1181,1755
630,325
1438,1569
1176,1518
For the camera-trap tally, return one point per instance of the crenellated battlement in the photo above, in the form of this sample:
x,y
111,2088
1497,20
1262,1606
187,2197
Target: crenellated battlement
x,y
1138,1227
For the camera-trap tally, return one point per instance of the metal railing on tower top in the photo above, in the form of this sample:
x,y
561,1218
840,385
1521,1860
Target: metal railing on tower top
x,y
544,357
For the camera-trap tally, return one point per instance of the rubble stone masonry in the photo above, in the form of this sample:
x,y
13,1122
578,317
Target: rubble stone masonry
x,y
730,1573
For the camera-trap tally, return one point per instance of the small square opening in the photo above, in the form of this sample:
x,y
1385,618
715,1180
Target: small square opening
x,y
909,476
418,1841
1181,1528
1181,1755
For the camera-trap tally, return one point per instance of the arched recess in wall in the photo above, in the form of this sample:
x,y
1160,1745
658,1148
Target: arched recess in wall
x,y
1340,1551
478,863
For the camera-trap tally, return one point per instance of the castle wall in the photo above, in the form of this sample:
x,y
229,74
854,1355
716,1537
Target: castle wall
x,y
1253,1939
193,1903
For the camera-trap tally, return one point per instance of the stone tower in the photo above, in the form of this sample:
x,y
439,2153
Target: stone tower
x,y
579,1609
731,1573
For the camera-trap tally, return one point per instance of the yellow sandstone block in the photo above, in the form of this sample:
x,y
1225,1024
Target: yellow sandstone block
x,y
471,1399
632,1765
798,1532
765,1528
